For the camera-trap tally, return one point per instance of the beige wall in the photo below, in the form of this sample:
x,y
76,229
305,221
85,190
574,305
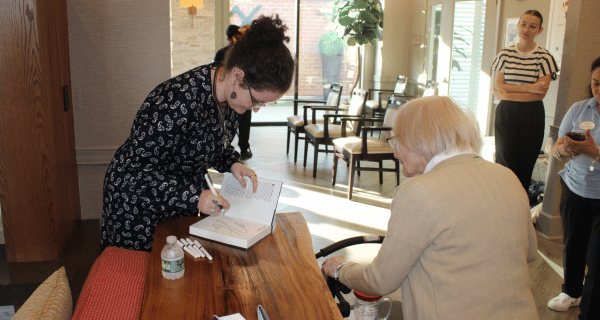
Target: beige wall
x,y
192,36
119,51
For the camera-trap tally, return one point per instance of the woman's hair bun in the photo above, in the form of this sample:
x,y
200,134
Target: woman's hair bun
x,y
263,55
267,29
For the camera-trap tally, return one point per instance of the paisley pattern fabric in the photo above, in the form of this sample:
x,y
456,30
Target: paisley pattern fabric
x,y
158,173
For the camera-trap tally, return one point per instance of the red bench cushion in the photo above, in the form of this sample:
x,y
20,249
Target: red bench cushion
x,y
114,287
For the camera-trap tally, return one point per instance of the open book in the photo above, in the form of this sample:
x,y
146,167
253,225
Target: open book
x,y
250,218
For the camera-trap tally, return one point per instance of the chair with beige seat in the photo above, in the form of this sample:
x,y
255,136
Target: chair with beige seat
x,y
353,149
376,107
322,134
296,122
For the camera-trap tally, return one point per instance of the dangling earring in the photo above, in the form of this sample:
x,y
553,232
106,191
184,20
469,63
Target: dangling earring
x,y
233,95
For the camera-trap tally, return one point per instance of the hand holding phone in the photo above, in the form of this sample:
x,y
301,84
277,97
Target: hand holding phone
x,y
576,136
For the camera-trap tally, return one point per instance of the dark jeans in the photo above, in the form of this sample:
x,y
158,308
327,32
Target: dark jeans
x,y
519,133
581,236
244,128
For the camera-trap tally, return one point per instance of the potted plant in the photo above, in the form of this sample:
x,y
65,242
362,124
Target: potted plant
x,y
362,23
331,48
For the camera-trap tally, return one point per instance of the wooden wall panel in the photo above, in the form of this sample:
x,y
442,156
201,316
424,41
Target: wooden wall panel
x,y
38,176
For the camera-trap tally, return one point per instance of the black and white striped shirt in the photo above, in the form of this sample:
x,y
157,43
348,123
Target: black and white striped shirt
x,y
524,67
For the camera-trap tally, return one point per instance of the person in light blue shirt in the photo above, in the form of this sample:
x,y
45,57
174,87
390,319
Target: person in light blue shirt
x,y
580,203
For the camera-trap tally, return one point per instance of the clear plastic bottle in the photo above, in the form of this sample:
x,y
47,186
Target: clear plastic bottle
x,y
172,259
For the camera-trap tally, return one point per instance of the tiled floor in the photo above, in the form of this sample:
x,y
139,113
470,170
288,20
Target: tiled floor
x,y
330,215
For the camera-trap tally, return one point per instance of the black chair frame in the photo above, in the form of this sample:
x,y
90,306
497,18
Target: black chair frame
x,y
298,131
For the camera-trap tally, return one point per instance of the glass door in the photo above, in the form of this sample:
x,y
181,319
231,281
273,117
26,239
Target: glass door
x,y
435,20
323,58
241,13
466,53
456,53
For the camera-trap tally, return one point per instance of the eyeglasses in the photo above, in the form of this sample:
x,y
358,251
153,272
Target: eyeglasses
x,y
392,141
255,104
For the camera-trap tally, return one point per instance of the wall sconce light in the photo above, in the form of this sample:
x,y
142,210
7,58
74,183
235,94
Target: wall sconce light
x,y
192,12
191,5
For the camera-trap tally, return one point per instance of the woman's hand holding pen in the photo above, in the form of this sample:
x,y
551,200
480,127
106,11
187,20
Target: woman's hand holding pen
x,y
240,171
209,203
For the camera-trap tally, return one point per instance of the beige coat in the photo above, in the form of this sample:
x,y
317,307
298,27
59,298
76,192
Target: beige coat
x,y
458,243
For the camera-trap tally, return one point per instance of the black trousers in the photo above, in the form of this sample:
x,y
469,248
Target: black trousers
x,y
519,134
581,236
244,130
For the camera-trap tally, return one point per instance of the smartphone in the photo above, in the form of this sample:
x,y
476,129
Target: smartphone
x,y
577,136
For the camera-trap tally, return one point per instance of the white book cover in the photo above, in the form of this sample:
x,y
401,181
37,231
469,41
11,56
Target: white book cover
x,y
250,218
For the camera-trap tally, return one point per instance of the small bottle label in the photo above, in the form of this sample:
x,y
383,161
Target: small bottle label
x,y
172,266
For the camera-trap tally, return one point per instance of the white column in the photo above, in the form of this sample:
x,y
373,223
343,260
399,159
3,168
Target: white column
x,y
221,23
402,20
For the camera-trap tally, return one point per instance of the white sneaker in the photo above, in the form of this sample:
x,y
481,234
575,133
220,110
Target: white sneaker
x,y
563,302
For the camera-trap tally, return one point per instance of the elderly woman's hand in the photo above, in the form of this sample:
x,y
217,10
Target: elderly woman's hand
x,y
239,171
329,265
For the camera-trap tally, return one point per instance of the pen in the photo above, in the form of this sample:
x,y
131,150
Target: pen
x,y
188,250
203,249
190,245
212,189
198,249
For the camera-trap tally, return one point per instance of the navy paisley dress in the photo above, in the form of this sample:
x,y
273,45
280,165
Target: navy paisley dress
x,y
158,173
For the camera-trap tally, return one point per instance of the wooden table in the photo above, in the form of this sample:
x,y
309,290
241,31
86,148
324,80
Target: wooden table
x,y
280,273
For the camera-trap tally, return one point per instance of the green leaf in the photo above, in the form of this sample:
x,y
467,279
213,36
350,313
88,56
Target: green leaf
x,y
351,42
368,17
361,4
360,39
345,21
369,34
358,27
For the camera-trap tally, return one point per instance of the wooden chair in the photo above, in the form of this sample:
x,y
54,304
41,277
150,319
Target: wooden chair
x,y
322,134
353,149
296,122
376,107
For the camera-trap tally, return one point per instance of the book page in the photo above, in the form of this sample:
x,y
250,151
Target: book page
x,y
247,205
232,227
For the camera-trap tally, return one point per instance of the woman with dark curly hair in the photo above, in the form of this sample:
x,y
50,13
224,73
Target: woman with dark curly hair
x,y
185,126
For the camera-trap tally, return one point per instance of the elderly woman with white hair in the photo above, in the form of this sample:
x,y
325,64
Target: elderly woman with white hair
x,y
460,234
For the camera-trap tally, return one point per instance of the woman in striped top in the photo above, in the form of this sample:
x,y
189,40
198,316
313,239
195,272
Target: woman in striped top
x,y
523,73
